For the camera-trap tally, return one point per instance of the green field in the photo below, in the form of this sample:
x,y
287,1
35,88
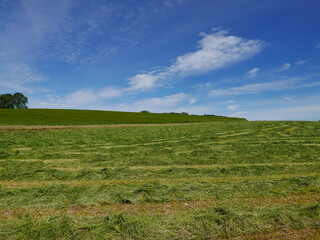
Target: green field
x,y
235,180
92,117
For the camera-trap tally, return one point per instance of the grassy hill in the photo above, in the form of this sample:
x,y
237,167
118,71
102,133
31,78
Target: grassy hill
x,y
89,117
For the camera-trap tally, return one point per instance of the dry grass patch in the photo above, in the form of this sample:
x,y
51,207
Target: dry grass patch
x,y
22,149
22,160
77,168
60,160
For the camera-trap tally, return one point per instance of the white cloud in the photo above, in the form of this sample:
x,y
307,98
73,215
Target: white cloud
x,y
167,101
180,102
284,67
232,107
311,84
91,99
258,87
253,72
143,81
301,62
110,92
216,50
81,97
196,109
170,103
203,85
288,98
305,112
85,97
192,101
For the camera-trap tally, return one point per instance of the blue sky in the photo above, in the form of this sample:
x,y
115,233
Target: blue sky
x,y
250,58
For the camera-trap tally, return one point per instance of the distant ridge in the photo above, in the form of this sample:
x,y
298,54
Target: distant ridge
x,y
95,117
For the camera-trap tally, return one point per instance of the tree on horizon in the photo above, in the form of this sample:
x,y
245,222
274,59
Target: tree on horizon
x,y
15,101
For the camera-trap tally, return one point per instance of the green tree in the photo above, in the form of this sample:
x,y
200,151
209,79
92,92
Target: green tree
x,y
6,101
17,100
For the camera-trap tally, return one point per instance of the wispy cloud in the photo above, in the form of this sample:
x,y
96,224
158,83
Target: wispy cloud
x,y
284,67
167,101
301,62
81,97
110,92
253,72
65,31
180,102
15,76
172,3
21,41
87,98
216,50
259,87
232,107
306,112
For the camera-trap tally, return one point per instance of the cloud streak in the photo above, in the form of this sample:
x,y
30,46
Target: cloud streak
x,y
260,87
306,112
86,98
253,72
284,67
15,75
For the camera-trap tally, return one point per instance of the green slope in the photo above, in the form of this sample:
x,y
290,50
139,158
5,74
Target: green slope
x,y
88,117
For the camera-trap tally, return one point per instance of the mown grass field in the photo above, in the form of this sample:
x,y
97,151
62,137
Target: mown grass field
x,y
235,180
92,117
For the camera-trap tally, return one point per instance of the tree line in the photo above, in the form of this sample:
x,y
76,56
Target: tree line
x,y
13,101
